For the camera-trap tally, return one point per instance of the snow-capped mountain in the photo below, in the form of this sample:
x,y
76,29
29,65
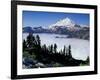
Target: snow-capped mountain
x,y
66,22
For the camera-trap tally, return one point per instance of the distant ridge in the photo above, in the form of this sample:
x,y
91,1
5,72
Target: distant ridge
x,y
63,26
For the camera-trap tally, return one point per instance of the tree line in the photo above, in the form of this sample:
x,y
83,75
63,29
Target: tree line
x,y
47,54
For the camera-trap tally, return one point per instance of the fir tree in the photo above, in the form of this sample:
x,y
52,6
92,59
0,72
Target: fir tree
x,y
30,40
64,50
51,47
38,40
70,55
44,48
55,48
24,45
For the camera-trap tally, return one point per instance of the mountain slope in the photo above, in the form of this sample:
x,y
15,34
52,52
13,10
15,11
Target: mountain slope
x,y
27,29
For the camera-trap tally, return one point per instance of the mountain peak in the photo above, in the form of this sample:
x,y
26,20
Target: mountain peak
x,y
66,19
66,22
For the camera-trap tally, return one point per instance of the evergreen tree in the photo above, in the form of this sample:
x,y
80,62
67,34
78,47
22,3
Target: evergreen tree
x,y
44,48
33,40
64,50
38,40
24,45
55,48
38,45
61,51
51,47
70,55
87,60
30,40
67,51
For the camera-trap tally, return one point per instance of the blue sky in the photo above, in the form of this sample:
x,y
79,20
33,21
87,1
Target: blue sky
x,y
44,19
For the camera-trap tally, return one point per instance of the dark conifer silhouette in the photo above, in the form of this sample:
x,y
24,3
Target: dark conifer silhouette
x,y
51,49
24,45
70,55
55,48
64,50
87,60
30,40
38,40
